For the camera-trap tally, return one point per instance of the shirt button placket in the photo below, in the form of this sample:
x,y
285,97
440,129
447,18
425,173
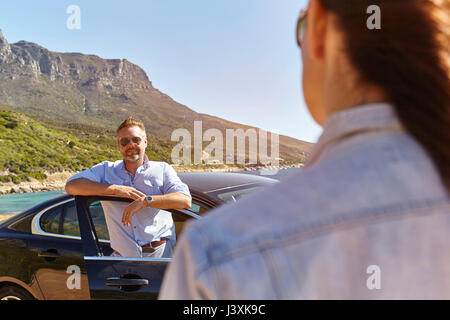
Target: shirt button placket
x,y
133,227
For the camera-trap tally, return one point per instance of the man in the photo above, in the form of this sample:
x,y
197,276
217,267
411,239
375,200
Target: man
x,y
138,229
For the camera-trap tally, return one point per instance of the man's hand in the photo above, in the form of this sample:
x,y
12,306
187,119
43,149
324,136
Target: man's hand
x,y
174,200
127,192
131,209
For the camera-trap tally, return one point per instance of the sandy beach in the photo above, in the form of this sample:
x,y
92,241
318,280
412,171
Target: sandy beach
x,y
7,216
54,181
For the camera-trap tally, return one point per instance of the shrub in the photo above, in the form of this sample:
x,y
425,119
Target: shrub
x,y
11,125
38,175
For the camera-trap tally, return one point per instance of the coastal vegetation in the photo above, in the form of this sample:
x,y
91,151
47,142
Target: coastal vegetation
x,y
33,148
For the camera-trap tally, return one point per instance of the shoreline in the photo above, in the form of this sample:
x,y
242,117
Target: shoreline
x,y
53,182
6,216
57,181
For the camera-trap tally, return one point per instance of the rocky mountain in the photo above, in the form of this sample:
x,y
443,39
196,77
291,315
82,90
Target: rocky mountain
x,y
89,90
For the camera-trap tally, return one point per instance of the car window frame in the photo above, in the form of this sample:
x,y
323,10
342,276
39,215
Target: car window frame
x,y
84,202
36,225
200,198
203,200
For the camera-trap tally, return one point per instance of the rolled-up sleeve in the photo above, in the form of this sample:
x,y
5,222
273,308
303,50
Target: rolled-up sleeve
x,y
172,183
95,174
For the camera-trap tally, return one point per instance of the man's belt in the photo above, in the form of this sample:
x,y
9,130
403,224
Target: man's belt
x,y
150,247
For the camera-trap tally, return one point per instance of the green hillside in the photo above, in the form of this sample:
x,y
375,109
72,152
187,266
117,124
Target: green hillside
x,y
29,147
76,89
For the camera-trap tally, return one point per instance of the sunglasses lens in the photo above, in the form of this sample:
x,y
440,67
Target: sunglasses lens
x,y
302,32
301,29
136,140
124,141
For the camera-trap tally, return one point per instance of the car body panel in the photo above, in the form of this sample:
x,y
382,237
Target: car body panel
x,y
100,269
39,261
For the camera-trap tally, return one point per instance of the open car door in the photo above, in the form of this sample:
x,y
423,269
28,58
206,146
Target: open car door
x,y
112,277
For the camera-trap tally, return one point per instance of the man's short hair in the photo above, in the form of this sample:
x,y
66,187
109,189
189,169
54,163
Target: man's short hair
x,y
131,122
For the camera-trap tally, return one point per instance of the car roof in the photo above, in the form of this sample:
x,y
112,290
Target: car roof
x,y
212,181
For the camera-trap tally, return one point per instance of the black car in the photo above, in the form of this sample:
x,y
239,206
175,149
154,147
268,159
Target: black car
x,y
60,249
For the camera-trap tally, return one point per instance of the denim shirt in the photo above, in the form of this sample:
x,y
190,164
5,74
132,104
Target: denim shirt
x,y
148,224
367,218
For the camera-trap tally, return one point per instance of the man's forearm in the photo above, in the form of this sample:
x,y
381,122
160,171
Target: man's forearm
x,y
176,200
86,187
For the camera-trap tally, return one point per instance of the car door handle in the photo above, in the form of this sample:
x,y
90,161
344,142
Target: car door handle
x,y
119,282
50,253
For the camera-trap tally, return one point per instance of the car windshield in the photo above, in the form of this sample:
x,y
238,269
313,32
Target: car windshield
x,y
236,194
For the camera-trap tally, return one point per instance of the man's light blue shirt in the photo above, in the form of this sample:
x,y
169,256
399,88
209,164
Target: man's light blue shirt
x,y
148,224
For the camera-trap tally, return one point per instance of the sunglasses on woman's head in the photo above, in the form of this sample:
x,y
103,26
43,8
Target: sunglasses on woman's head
x,y
301,26
124,141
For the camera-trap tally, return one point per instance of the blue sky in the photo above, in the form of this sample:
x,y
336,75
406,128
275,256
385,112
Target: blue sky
x,y
234,59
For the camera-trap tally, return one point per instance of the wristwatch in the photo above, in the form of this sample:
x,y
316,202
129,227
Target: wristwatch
x,y
149,200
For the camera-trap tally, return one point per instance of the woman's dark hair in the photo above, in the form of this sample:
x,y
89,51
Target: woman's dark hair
x,y
409,58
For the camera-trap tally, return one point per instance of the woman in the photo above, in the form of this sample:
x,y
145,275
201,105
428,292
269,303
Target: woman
x,y
369,216
406,63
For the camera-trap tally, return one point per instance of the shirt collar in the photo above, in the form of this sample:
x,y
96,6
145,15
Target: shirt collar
x,y
145,164
365,118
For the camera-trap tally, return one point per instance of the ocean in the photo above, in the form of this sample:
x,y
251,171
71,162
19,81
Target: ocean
x,y
16,203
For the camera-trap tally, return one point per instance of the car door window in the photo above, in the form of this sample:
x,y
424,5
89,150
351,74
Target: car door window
x,y
198,209
179,219
63,220
70,220
50,221
98,218
70,225
96,210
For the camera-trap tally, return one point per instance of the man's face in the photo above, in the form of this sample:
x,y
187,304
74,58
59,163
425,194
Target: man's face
x,y
134,150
